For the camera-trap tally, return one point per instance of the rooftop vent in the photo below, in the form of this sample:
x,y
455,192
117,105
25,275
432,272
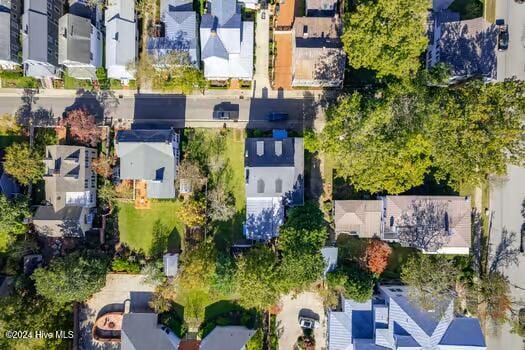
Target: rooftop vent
x,y
278,148
260,148
305,31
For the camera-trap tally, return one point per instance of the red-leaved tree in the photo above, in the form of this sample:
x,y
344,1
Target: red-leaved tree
x,y
82,127
376,256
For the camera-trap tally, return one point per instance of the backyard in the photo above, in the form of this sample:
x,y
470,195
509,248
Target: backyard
x,y
151,230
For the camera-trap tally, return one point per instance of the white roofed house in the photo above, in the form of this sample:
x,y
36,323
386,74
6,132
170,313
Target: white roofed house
x,y
10,12
226,42
274,171
39,37
392,320
121,39
432,224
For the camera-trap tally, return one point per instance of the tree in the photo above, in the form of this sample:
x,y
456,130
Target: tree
x,y
377,143
305,230
103,165
386,36
192,213
222,203
74,277
107,195
198,267
308,216
82,127
298,270
432,280
359,285
189,170
24,164
257,278
492,297
12,217
8,125
376,256
477,129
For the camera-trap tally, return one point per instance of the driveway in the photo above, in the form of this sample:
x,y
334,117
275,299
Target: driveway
x,y
288,323
119,288
506,200
261,82
512,62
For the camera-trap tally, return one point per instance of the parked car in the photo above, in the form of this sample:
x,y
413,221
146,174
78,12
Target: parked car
x,y
263,15
503,37
226,111
277,116
307,322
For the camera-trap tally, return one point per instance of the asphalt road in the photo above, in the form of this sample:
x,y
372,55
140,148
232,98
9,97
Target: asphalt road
x,y
511,63
506,203
175,110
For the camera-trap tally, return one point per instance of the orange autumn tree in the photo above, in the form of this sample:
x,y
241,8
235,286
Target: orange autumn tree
x,y
376,255
82,127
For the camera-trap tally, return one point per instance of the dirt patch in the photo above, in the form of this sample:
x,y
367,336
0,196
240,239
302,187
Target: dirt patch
x,y
283,61
286,14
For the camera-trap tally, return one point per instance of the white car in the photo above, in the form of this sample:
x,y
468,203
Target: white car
x,y
307,322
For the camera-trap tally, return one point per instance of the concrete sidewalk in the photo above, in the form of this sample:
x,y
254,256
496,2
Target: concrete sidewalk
x,y
213,93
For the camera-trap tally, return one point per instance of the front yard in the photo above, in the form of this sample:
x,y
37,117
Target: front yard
x,y
151,230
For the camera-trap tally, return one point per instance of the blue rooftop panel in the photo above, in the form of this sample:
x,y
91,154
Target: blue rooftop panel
x,y
464,331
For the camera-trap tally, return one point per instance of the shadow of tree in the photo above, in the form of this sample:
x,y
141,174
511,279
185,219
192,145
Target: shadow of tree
x,y
27,115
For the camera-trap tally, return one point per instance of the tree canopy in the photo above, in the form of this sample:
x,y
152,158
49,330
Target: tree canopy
x,y
82,127
23,163
392,140
12,215
387,36
74,277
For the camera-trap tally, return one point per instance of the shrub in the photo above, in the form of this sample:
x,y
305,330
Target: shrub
x,y
123,265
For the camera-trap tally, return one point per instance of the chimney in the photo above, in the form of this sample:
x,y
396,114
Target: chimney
x,y
260,148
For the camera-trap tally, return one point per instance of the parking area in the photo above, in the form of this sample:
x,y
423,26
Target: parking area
x,y
119,290
304,304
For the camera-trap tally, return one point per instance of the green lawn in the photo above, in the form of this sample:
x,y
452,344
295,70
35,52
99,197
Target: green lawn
x,y
233,154
153,230
74,84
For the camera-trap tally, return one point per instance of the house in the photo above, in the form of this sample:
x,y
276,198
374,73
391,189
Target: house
x,y
321,8
226,42
468,47
70,186
394,321
141,331
180,31
433,224
318,56
330,258
121,39
274,175
10,12
151,157
227,337
79,46
8,185
39,38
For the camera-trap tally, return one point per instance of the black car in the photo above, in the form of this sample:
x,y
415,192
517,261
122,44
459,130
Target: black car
x,y
226,111
503,37
277,116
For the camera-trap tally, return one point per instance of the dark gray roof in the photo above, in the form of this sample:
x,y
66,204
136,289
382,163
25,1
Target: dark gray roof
x,y
268,158
74,42
140,331
459,328
144,135
46,212
227,338
5,33
36,30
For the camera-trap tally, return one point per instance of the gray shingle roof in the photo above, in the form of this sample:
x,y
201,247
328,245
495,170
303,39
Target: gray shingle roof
x,y
227,337
469,47
214,48
224,10
35,27
148,155
64,222
5,33
461,326
74,40
68,171
140,331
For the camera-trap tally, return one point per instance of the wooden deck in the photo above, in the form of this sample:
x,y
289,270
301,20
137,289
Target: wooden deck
x,y
141,195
